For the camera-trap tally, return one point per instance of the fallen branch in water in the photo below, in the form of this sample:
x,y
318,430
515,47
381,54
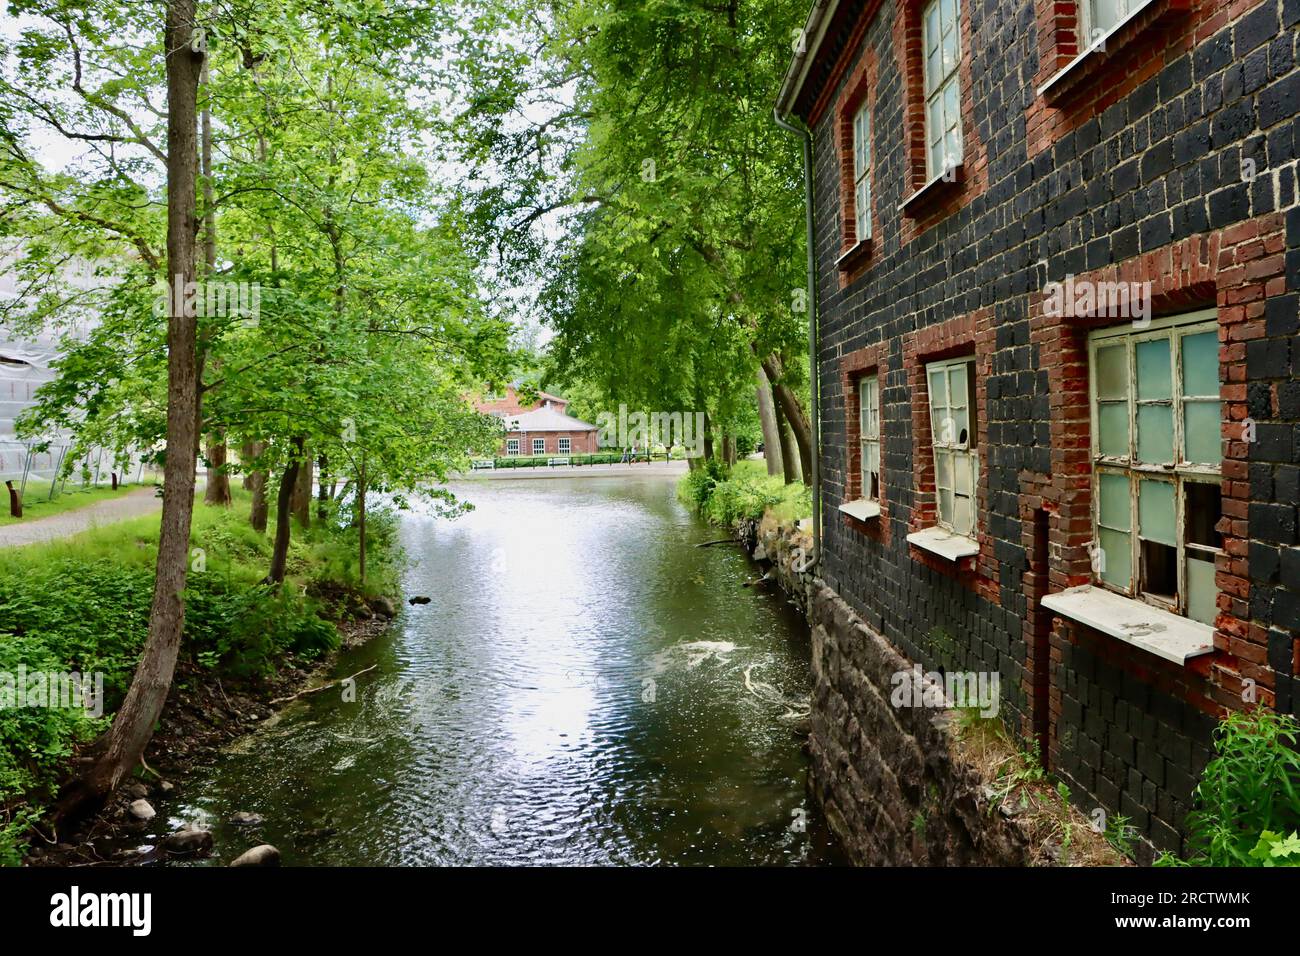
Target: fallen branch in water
x,y
707,544
317,690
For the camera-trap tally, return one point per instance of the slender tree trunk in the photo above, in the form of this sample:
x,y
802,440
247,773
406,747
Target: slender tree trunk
x,y
728,449
795,416
323,495
122,748
708,436
301,501
217,491
786,448
283,527
361,518
767,420
255,481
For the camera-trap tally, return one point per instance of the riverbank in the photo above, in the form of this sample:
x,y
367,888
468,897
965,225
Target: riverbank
x,y
81,605
654,469
950,785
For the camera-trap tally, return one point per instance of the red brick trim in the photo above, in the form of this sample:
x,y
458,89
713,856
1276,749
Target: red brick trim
x,y
854,366
860,88
851,48
973,179
1234,269
1159,35
972,335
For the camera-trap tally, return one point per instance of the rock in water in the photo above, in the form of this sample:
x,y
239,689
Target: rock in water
x,y
244,818
141,810
188,843
419,599
264,855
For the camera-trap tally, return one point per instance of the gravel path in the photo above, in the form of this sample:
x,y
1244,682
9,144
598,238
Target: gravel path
x,y
140,501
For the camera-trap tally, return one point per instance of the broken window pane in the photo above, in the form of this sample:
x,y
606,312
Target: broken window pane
x,y
1203,507
1160,570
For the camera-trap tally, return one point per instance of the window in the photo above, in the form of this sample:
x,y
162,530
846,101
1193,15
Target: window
x,y
1099,17
862,171
942,45
564,446
1156,448
512,446
952,430
869,436
539,446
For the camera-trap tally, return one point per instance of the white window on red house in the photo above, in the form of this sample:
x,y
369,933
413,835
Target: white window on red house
x,y
862,171
539,446
1157,449
952,433
564,446
869,435
1099,17
941,45
512,446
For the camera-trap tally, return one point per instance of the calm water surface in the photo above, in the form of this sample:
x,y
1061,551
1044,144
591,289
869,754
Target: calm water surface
x,y
586,687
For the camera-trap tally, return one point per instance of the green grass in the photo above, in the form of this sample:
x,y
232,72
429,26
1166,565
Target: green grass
x,y
82,604
726,496
36,505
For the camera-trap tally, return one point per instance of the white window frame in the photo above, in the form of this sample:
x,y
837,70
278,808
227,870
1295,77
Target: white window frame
x,y
539,446
1094,32
1179,472
869,435
942,76
512,446
862,171
563,445
954,455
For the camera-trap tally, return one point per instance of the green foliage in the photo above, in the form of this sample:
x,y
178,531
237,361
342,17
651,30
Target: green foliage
x,y
1274,849
83,605
1248,793
725,497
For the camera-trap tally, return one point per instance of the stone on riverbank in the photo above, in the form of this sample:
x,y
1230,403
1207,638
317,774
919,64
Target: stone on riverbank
x,y
264,855
142,810
188,843
246,818
383,607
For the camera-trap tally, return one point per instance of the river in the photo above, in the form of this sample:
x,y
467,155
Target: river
x,y
586,687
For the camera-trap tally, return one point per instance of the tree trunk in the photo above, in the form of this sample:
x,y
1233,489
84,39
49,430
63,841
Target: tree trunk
x,y
301,502
708,437
795,416
123,747
323,494
361,519
787,451
218,490
767,420
728,449
283,529
255,481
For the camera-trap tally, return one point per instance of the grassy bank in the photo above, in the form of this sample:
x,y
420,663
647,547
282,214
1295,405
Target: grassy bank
x,y
82,605
727,496
37,505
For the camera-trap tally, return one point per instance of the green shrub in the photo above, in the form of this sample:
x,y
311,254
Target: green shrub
x,y
1249,794
726,497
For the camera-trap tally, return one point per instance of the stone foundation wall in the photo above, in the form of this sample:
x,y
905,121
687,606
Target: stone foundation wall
x,y
892,781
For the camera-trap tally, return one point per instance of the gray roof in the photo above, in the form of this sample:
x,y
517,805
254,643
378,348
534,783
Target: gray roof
x,y
545,420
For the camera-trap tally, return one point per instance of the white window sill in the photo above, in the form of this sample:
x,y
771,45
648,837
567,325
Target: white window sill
x,y
861,509
952,176
853,252
946,544
1095,51
1161,632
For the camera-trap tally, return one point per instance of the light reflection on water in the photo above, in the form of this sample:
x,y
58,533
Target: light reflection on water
x,y
586,687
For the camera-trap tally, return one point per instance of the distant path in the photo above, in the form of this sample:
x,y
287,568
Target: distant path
x,y
133,504
642,470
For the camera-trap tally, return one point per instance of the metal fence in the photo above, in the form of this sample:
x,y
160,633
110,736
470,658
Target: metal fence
x,y
27,467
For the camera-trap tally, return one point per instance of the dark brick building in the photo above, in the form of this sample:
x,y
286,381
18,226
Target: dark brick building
x,y
1058,361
